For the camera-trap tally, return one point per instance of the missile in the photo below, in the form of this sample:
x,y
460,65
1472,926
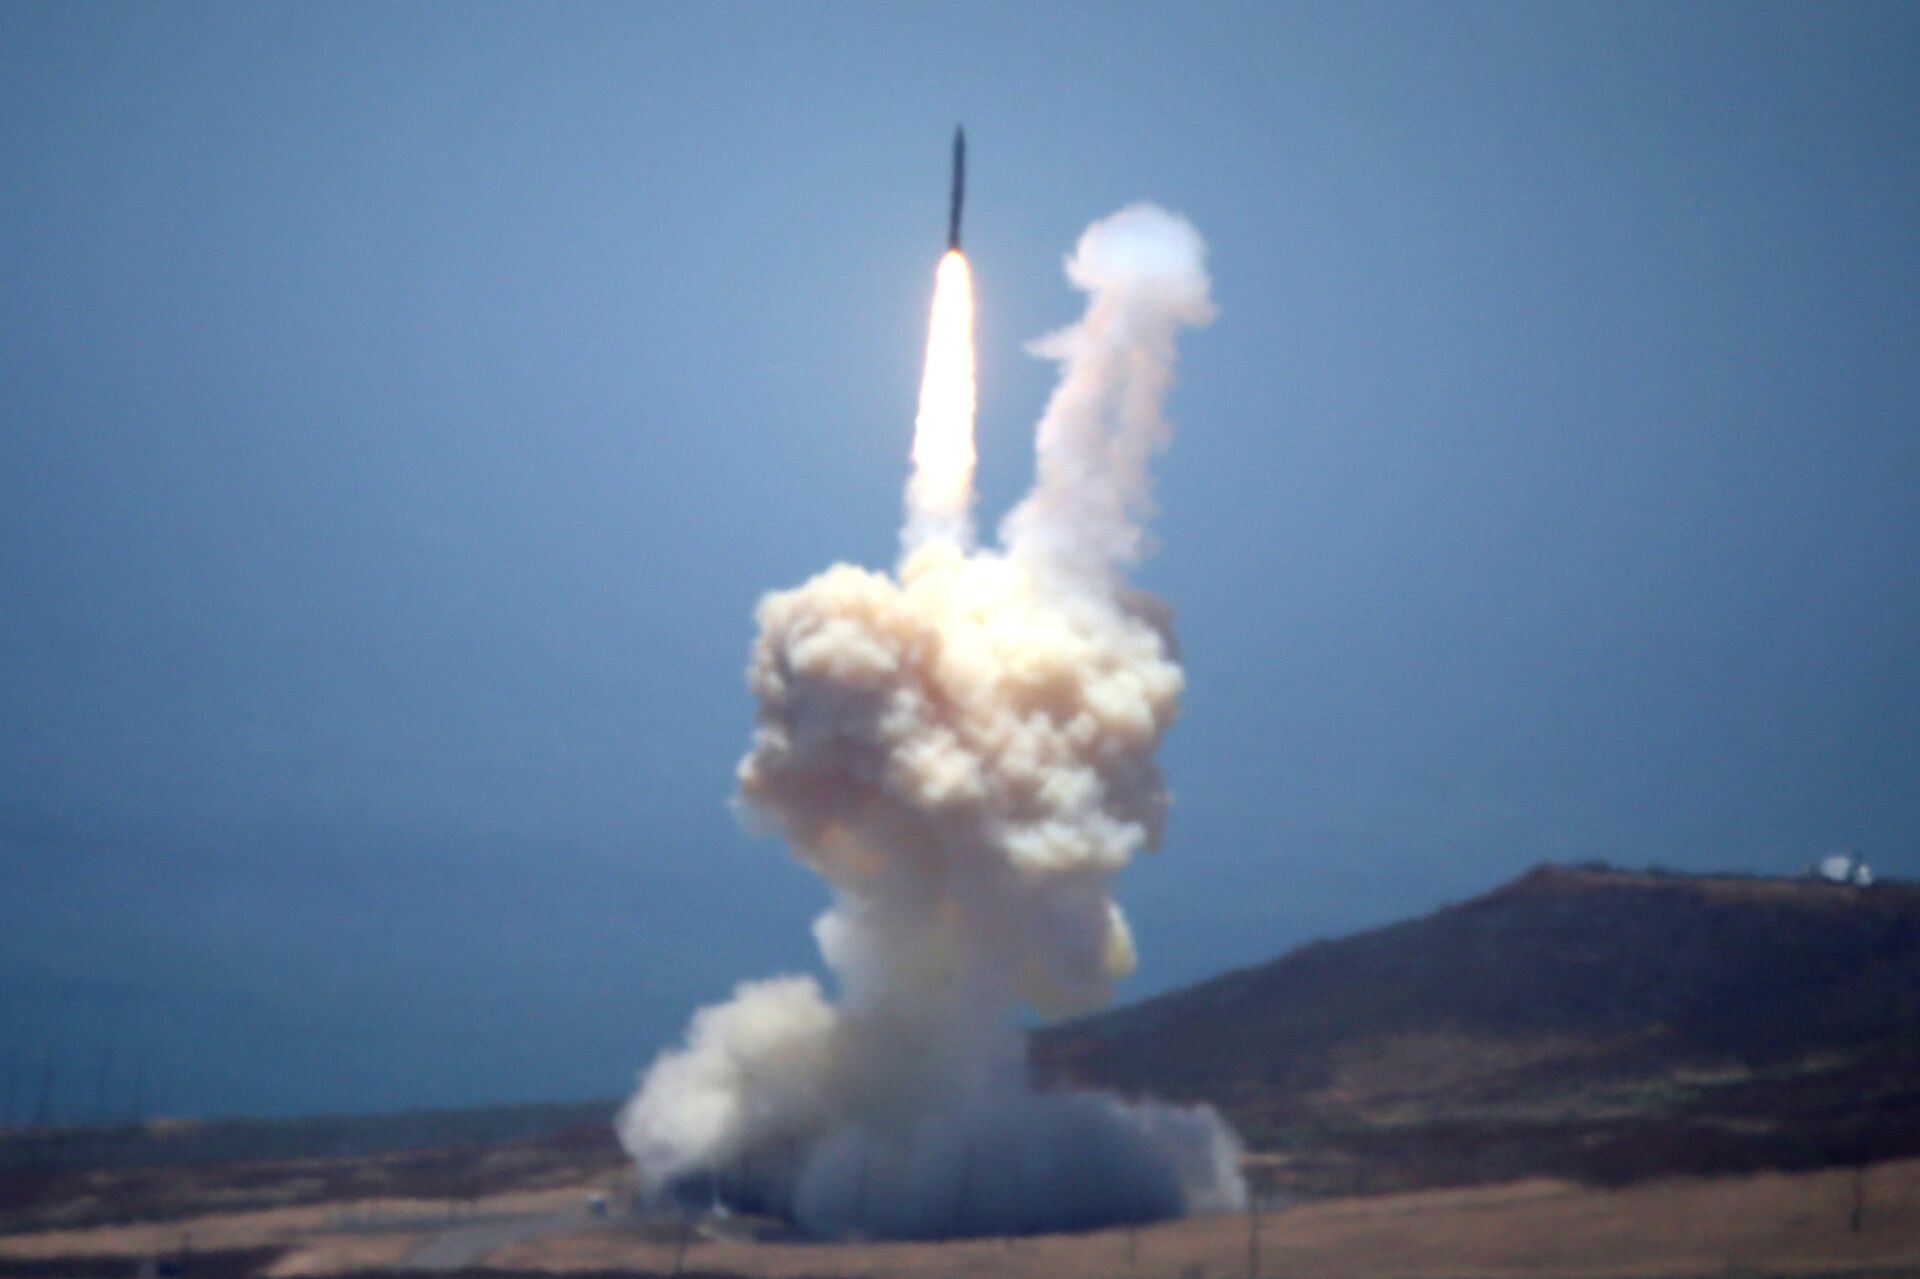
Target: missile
x,y
959,188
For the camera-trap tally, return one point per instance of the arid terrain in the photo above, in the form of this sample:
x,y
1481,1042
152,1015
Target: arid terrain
x,y
1583,1073
1585,1023
1827,1222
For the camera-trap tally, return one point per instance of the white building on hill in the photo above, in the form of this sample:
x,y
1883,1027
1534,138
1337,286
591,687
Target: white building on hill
x,y
1842,868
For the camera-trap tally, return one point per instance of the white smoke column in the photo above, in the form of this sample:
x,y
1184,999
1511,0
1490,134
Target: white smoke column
x,y
1146,272
965,752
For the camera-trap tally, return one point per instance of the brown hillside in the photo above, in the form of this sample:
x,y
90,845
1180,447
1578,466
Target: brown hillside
x,y
1578,1021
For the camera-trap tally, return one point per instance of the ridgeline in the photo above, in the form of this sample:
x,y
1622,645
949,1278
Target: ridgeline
x,y
1579,1021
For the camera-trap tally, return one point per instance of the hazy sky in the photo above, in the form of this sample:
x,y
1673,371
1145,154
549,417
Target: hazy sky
x,y
402,407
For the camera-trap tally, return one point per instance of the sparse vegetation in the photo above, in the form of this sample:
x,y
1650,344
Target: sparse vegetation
x,y
1587,1071
1582,1022
207,1141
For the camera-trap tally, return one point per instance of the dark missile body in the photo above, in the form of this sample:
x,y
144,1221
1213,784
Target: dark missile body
x,y
959,188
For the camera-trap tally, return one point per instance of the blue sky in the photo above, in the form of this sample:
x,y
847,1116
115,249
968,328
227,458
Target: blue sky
x,y
402,407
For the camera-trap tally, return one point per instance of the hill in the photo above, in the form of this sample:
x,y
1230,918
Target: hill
x,y
211,1141
1582,1022
174,1169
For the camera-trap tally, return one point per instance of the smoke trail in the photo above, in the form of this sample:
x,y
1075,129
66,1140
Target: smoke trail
x,y
965,752
1145,271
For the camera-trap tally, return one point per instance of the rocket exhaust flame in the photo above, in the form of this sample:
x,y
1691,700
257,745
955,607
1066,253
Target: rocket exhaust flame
x,y
964,751
940,494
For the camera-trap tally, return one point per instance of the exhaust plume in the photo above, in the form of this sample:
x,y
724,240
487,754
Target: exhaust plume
x,y
940,494
964,750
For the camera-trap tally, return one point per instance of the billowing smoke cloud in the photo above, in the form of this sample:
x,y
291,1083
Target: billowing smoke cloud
x,y
964,750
